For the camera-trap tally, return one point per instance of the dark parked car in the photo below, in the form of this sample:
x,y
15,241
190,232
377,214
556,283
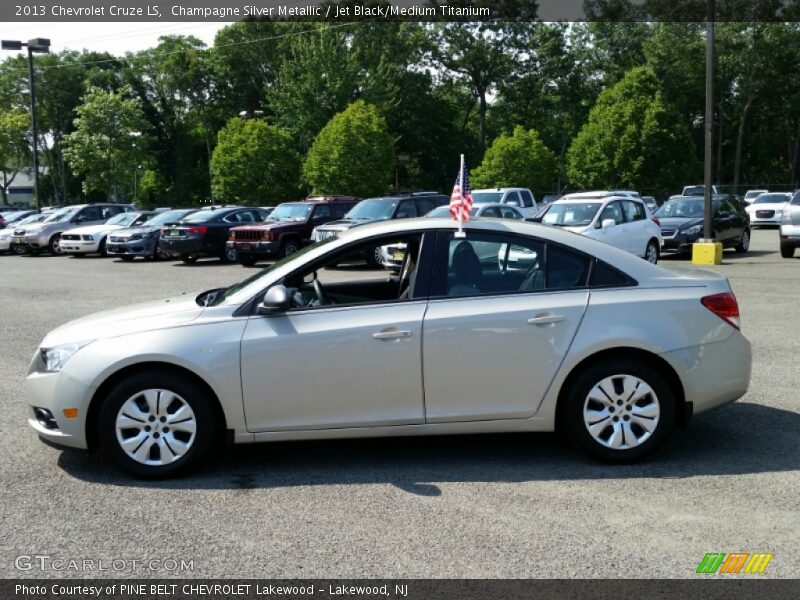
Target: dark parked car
x,y
287,230
382,209
204,233
142,240
681,222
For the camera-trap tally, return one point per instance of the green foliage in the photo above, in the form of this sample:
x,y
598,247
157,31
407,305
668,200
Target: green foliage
x,y
517,160
353,154
15,151
632,139
254,163
109,143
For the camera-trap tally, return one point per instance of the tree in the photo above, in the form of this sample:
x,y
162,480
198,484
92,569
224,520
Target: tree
x,y
109,142
255,163
632,139
517,160
353,154
15,151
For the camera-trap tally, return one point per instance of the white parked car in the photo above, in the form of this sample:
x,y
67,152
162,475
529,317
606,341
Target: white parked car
x,y
92,239
751,195
453,345
767,208
621,221
522,198
7,233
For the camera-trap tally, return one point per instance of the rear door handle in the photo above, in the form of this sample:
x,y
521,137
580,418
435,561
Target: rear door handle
x,y
545,318
391,334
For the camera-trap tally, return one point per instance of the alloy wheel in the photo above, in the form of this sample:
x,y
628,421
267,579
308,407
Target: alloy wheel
x,y
155,427
621,412
651,254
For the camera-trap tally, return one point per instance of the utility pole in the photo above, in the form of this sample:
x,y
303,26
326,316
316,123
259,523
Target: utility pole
x,y
708,232
34,45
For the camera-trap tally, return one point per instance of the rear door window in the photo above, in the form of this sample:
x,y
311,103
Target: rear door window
x,y
527,198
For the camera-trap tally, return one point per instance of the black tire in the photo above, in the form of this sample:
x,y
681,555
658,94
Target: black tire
x,y
744,242
228,255
651,252
374,257
18,250
247,260
101,249
577,398
54,245
289,247
193,395
78,255
189,259
787,250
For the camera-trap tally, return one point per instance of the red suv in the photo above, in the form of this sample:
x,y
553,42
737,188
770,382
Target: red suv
x,y
287,229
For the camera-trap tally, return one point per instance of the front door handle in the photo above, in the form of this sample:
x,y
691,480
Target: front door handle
x,y
391,334
545,318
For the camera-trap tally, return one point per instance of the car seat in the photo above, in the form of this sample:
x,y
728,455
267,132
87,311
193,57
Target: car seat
x,y
466,269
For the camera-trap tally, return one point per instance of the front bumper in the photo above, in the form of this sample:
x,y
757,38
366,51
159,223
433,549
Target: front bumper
x,y
678,243
181,246
54,392
257,248
773,220
790,234
79,246
36,241
129,247
323,234
5,243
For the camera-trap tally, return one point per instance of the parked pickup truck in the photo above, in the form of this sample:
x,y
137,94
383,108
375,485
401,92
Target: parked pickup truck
x,y
287,229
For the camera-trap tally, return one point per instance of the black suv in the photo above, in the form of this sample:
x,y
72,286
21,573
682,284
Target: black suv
x,y
402,206
681,220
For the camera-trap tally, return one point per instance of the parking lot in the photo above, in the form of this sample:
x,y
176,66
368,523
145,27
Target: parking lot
x,y
469,506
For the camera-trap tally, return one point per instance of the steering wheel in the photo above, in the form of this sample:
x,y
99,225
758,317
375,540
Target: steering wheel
x,y
321,295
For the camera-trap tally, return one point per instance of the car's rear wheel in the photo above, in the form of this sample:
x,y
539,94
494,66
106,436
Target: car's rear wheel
x,y
651,253
55,245
229,255
619,411
78,255
787,250
155,424
744,242
102,248
375,257
248,260
126,258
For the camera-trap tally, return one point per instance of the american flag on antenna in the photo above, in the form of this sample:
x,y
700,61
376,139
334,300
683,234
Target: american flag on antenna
x,y
461,198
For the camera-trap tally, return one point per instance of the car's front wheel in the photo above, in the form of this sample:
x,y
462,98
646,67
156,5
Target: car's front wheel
x,y
229,255
189,258
247,260
651,253
787,250
155,424
619,410
55,245
744,242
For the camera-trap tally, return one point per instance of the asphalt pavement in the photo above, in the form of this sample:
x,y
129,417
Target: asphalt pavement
x,y
508,506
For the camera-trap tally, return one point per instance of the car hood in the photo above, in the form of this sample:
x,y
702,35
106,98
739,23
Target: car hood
x,y
679,222
344,224
92,229
126,231
126,320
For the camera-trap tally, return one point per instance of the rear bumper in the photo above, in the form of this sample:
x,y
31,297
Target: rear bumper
x,y
186,246
677,243
714,374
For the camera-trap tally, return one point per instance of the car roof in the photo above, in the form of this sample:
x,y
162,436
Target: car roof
x,y
501,189
581,198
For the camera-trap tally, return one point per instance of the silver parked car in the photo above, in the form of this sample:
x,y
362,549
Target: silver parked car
x,y
790,227
300,352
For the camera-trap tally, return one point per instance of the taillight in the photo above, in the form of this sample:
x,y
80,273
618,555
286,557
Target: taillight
x,y
724,306
201,229
656,221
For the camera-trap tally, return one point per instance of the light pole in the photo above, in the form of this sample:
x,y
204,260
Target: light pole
x,y
35,45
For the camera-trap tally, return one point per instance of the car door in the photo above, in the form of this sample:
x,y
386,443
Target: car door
x,y
339,365
493,336
639,233
724,222
90,216
617,234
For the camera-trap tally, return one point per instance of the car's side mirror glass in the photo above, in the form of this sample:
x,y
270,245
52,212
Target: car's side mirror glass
x,y
608,223
276,299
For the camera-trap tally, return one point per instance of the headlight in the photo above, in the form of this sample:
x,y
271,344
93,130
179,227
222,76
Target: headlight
x,y
694,230
56,357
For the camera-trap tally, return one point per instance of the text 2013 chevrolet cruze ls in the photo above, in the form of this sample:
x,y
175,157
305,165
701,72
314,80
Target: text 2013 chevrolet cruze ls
x,y
587,338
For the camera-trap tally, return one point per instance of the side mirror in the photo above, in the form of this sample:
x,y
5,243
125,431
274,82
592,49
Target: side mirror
x,y
276,300
608,223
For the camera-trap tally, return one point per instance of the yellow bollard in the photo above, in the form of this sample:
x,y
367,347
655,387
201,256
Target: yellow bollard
x,y
707,253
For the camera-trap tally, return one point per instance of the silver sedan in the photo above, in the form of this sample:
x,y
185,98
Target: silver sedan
x,y
587,339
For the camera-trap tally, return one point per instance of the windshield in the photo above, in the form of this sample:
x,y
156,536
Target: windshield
x,y
694,190
203,216
65,214
32,219
684,209
123,219
754,193
291,212
170,216
486,197
236,287
374,209
569,214
771,199
9,217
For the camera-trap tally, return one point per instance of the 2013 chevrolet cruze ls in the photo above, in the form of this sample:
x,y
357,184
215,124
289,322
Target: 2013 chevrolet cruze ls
x,y
587,339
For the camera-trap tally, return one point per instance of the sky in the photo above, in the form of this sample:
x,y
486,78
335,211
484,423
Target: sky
x,y
116,38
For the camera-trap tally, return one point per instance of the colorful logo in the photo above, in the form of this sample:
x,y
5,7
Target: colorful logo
x,y
735,562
